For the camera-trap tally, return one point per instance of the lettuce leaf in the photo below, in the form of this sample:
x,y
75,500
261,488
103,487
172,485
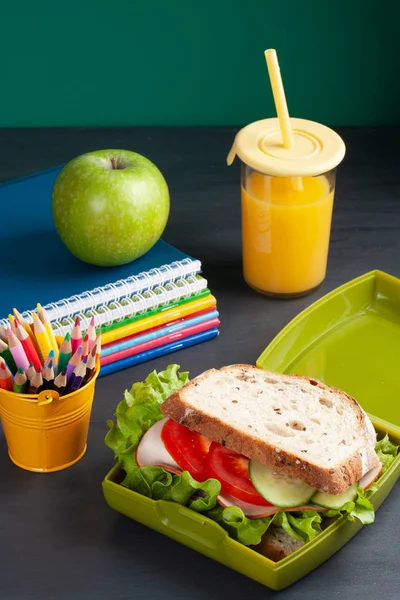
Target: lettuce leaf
x,y
246,531
302,526
361,508
387,452
159,484
140,409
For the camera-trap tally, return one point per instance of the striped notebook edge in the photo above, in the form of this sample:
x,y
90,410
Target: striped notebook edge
x,y
159,352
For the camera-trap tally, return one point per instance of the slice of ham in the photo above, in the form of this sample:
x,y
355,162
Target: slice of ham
x,y
151,452
258,512
370,477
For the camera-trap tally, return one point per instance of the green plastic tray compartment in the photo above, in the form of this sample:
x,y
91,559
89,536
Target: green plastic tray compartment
x,y
322,342
350,339
207,537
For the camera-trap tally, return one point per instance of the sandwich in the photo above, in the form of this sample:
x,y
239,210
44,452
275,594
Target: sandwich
x,y
272,458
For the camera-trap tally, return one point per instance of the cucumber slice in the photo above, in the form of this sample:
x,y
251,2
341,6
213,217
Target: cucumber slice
x,y
335,501
277,488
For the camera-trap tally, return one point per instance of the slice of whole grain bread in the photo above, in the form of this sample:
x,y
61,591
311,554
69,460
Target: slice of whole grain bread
x,y
295,424
276,544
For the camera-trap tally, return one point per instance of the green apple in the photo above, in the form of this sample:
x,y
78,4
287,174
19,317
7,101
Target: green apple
x,y
110,206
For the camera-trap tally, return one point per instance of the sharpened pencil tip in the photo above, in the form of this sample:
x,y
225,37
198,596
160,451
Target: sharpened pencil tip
x,y
77,321
92,321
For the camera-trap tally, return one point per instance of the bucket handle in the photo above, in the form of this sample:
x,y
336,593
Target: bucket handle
x,y
47,397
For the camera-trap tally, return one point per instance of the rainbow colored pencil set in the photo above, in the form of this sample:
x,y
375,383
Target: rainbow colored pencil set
x,y
32,359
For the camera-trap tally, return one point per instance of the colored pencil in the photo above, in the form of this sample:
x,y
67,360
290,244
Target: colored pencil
x,y
20,382
46,322
7,356
90,369
42,338
11,319
48,377
50,359
17,351
85,346
74,362
91,333
65,353
36,383
60,382
5,377
3,333
76,335
31,371
75,381
28,328
96,348
27,345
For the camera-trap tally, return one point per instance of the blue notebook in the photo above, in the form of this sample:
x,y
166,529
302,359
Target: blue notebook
x,y
36,266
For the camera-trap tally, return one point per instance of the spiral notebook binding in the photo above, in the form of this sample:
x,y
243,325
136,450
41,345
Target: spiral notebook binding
x,y
135,304
67,308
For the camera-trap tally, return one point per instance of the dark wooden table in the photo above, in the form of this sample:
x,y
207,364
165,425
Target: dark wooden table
x,y
58,537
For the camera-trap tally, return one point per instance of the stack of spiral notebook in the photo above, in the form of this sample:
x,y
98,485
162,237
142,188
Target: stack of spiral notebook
x,y
153,306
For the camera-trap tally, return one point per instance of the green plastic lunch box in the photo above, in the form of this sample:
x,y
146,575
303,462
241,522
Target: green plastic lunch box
x,y
350,338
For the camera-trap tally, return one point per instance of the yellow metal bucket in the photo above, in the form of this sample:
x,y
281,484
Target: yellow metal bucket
x,y
46,432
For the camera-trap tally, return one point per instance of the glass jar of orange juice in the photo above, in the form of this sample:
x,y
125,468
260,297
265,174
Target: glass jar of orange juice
x,y
287,202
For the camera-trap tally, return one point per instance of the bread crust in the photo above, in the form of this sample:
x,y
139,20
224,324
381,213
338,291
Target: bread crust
x,y
330,480
276,544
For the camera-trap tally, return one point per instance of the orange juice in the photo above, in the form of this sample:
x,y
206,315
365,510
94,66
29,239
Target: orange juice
x,y
285,231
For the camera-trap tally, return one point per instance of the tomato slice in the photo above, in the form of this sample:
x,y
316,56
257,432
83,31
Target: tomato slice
x,y
188,448
232,471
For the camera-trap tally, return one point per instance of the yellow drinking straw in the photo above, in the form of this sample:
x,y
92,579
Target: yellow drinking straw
x,y
281,106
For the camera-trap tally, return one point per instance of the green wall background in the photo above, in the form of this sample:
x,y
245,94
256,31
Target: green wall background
x,y
177,62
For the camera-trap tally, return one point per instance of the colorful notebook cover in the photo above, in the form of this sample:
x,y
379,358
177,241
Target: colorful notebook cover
x,y
157,352
159,340
147,321
155,332
36,267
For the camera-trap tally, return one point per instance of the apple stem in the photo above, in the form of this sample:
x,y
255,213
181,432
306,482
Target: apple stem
x,y
113,162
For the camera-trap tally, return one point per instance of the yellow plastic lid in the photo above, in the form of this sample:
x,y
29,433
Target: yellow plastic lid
x,y
317,148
